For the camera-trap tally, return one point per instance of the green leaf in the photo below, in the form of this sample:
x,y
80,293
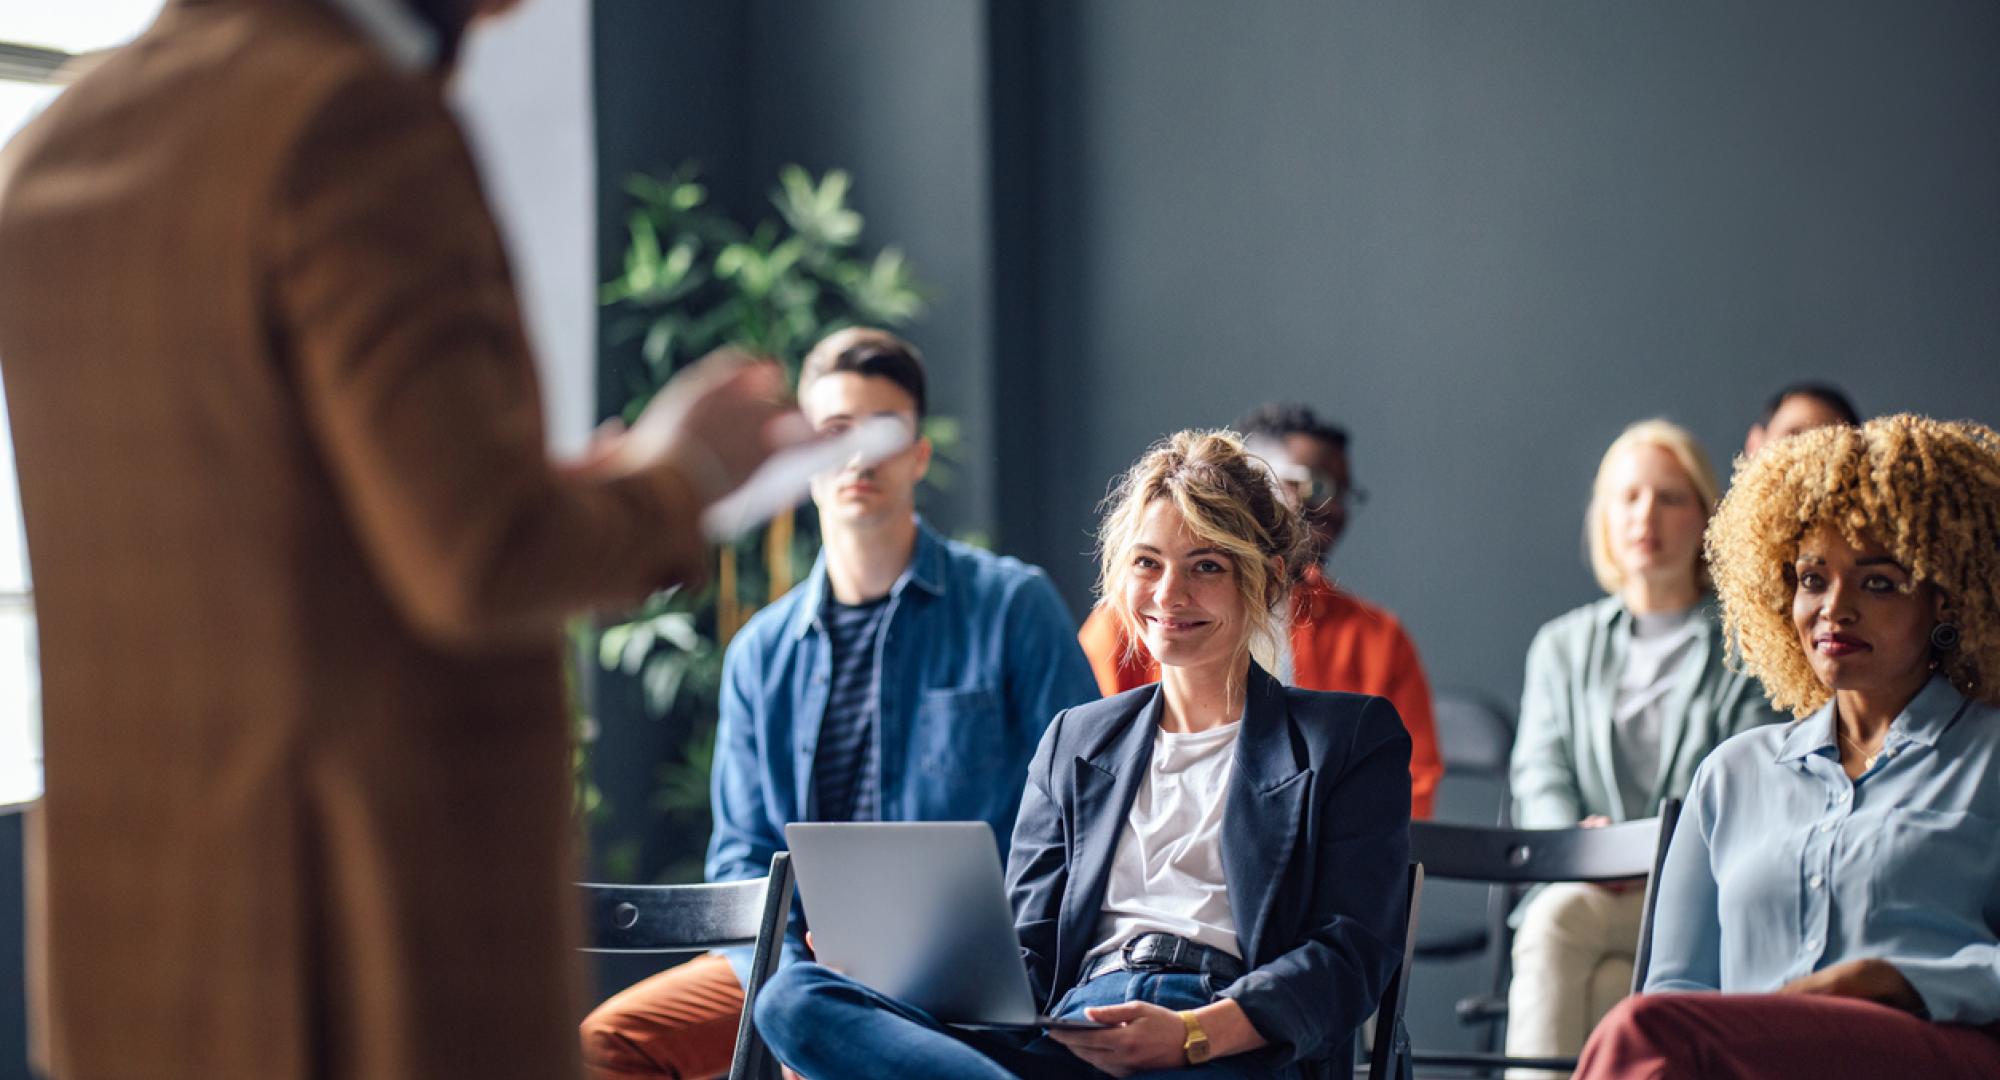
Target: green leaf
x,y
943,431
611,645
731,260
676,628
687,196
637,646
661,681
659,345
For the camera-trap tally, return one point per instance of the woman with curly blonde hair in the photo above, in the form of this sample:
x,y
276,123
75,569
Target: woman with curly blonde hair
x,y
1212,867
1837,879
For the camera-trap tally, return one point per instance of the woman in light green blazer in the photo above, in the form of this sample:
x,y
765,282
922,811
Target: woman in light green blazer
x,y
1622,699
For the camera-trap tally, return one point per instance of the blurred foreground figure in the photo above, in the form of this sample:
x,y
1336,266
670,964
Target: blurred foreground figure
x,y
301,559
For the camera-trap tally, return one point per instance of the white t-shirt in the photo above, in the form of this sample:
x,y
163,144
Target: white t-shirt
x,y
1662,644
1166,875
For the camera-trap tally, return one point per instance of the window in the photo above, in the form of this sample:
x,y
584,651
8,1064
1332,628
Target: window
x,y
35,40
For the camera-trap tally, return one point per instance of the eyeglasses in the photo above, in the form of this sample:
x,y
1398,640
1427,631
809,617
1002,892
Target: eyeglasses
x,y
1316,490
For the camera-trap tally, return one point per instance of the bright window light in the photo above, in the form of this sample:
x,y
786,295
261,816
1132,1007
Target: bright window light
x,y
19,102
75,26
20,683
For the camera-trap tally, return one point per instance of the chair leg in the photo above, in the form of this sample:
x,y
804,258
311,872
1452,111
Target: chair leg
x,y
753,1059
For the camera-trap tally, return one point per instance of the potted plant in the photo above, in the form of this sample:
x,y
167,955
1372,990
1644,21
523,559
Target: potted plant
x,y
694,279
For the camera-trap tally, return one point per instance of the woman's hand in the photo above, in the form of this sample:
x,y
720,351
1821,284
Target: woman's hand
x,y
1148,1036
1871,979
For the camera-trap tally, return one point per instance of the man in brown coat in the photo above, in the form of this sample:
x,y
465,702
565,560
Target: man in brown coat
x,y
300,559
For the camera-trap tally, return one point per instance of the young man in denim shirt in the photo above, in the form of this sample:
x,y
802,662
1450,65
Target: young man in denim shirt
x,y
907,678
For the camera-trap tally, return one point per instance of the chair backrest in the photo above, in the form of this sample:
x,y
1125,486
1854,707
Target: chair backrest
x,y
1475,735
673,918
1670,815
697,918
1508,856
1386,1056
1532,856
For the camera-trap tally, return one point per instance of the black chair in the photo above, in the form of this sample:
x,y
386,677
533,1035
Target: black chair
x,y
1506,857
1475,736
1391,1048
697,918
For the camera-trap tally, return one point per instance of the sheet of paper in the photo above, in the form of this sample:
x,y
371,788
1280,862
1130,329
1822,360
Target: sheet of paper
x,y
784,481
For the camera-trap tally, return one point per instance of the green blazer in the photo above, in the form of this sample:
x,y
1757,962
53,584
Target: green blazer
x,y
1562,768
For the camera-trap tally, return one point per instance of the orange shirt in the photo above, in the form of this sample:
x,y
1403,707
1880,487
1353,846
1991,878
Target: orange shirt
x,y
1339,642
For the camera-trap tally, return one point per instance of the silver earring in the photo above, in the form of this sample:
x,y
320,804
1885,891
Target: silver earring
x,y
1944,637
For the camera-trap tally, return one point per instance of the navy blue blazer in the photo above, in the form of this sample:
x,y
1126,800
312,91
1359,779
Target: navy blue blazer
x,y
1315,851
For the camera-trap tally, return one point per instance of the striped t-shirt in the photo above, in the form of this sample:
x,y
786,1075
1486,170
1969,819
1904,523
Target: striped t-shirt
x,y
844,763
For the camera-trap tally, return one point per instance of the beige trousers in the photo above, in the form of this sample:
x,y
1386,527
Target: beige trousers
x,y
1573,961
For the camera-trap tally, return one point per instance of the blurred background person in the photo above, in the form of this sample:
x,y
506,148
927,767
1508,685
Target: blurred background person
x,y
301,559
1798,407
1337,640
1836,878
1621,701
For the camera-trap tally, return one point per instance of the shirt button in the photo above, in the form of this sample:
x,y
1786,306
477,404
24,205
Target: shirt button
x,y
1812,943
1844,796
1826,826
1815,881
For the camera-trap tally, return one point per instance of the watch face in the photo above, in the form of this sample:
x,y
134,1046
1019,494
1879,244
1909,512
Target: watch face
x,y
1196,1046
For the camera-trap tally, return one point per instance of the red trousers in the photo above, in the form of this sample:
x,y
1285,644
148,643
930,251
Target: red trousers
x,y
1724,1036
679,1024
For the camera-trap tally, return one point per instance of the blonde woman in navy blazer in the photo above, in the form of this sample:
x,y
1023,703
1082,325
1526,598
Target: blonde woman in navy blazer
x,y
1213,865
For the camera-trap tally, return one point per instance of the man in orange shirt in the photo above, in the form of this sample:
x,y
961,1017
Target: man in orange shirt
x,y
1339,642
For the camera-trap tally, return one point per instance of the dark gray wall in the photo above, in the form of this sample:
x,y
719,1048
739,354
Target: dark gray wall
x,y
893,91
1485,237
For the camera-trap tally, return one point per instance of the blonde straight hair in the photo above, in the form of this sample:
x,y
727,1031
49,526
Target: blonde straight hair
x,y
1675,440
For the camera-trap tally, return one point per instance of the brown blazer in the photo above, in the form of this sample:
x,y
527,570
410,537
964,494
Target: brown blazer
x,y
300,562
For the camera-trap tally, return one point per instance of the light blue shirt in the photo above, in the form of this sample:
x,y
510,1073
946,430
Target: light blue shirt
x,y
1782,866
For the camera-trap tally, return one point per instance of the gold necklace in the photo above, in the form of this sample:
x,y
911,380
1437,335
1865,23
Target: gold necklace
x,y
1867,759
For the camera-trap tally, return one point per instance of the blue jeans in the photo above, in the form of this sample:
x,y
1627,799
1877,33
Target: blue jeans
x,y
829,1027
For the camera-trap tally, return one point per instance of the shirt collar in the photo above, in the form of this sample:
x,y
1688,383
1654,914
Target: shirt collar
x,y
404,39
1705,609
1922,721
926,571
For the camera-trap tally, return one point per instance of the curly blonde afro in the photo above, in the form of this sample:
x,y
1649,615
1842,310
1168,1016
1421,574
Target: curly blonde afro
x,y
1927,490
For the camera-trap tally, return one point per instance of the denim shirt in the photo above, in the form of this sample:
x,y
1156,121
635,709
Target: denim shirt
x,y
977,654
1782,866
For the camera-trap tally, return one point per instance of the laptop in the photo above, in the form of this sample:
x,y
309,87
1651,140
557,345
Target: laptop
x,y
918,911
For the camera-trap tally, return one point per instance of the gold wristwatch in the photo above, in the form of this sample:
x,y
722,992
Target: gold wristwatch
x,y
1196,1046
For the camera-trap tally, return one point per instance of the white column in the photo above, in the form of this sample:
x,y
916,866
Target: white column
x,y
524,90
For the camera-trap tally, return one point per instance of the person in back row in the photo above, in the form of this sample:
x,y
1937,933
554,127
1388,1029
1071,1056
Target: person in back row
x,y
907,678
1214,865
1800,406
1337,641
1622,699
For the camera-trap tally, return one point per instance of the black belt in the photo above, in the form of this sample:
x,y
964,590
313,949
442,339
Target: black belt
x,y
1165,952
